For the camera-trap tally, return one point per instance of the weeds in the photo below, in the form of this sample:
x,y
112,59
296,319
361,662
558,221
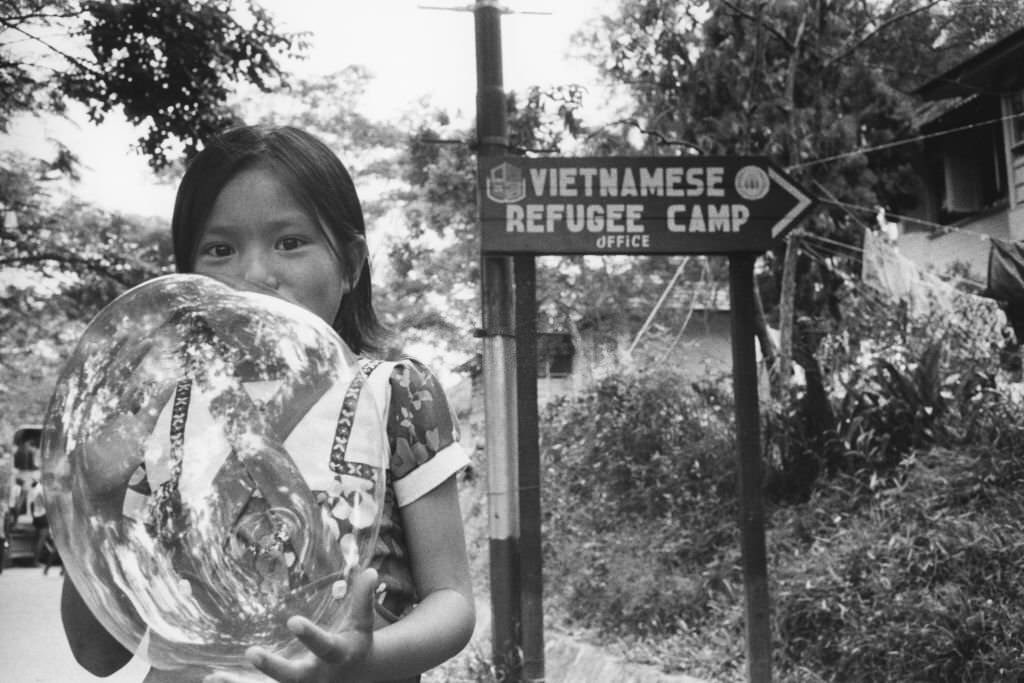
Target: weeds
x,y
894,535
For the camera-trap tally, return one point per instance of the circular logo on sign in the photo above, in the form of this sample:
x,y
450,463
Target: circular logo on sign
x,y
752,182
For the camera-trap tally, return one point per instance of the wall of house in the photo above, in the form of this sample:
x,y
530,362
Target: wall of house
x,y
704,348
1017,175
966,243
1016,220
706,345
550,388
1016,217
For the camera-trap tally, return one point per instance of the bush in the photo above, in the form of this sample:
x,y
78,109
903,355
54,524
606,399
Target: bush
x,y
638,499
644,445
887,410
922,584
893,542
891,386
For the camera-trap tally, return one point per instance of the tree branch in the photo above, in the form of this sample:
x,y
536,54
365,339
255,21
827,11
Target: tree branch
x,y
878,29
91,68
46,16
754,18
90,265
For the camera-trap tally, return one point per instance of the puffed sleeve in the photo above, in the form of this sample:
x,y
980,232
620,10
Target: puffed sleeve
x,y
422,432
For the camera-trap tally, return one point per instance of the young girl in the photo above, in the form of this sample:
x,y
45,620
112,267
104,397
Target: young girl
x,y
275,209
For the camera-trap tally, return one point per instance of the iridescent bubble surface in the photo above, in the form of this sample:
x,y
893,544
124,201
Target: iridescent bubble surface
x,y
205,475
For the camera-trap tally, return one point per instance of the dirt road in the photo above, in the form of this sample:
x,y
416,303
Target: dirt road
x,y
33,648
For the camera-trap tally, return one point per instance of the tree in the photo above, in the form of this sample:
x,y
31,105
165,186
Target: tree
x,y
439,248
798,81
167,65
62,262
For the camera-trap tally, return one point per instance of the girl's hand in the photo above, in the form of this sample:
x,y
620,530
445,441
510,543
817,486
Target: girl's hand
x,y
340,656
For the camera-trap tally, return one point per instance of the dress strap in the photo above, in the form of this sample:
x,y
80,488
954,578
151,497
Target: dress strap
x,y
346,418
163,518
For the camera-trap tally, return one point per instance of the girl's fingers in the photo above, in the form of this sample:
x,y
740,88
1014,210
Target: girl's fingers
x,y
324,645
341,649
360,616
233,677
278,668
352,642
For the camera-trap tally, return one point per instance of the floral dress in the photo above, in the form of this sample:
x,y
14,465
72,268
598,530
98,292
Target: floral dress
x,y
420,439
423,440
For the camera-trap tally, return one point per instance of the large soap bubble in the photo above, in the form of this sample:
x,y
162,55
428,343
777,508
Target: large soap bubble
x,y
197,472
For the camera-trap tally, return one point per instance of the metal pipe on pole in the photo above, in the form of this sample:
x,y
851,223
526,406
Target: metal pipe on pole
x,y
502,445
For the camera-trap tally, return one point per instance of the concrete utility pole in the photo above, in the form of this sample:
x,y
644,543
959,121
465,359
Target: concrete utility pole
x,y
499,369
510,353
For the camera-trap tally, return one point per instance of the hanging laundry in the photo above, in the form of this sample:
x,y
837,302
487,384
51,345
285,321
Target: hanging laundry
x,y
884,269
897,277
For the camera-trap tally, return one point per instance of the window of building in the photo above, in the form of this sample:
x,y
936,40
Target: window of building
x,y
967,165
1015,111
555,352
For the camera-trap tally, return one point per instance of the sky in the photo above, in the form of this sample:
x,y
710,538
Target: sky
x,y
412,51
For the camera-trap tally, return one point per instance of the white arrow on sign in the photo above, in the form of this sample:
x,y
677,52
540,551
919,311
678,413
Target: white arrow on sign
x,y
803,201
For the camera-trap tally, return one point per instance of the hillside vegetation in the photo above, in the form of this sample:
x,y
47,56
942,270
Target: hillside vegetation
x,y
894,539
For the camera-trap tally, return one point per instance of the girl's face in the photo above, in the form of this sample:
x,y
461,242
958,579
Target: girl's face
x,y
257,233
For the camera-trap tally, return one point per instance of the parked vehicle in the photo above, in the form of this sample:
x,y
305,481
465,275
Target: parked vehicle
x,y
25,526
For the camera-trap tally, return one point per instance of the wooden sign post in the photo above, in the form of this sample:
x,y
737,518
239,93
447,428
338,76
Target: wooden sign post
x,y
736,206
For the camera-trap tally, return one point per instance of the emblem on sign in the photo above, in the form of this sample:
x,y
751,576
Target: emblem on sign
x,y
505,184
752,183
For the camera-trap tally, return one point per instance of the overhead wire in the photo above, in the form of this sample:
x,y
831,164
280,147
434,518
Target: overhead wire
x,y
835,248
665,140
904,141
831,200
945,227
831,242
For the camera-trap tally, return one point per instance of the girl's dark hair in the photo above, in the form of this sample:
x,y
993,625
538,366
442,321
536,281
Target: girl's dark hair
x,y
318,181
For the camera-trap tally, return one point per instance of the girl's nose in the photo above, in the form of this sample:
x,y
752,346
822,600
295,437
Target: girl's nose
x,y
257,270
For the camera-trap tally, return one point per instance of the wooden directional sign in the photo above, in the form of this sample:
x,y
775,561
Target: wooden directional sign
x,y
636,205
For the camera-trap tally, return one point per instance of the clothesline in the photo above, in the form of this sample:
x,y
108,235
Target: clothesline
x,y
851,208
904,141
860,250
826,240
910,219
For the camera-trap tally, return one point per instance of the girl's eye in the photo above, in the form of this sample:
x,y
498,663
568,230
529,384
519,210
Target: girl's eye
x,y
217,250
289,243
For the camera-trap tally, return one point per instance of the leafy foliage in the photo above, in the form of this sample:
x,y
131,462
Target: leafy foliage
x,y
439,248
639,457
167,66
792,80
891,386
330,107
916,582
895,560
810,85
62,262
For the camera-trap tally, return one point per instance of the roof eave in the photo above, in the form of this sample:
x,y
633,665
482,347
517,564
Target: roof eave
x,y
982,73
